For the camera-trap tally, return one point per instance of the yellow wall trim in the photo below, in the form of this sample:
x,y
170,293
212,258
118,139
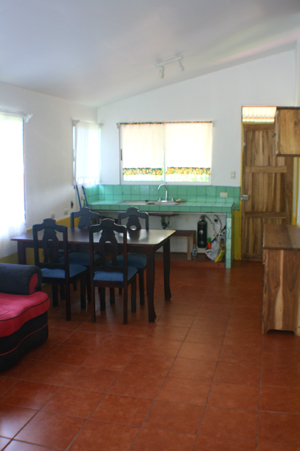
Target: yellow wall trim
x,y
13,258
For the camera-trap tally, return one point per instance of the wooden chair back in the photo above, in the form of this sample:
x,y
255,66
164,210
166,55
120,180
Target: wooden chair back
x,y
87,218
134,215
107,246
54,238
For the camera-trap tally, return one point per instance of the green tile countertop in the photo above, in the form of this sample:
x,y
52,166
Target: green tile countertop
x,y
202,205
199,199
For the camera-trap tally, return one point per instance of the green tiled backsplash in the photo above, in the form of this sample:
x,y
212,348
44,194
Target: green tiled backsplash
x,y
149,192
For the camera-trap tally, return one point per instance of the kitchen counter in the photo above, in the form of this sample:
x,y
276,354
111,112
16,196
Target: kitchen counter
x,y
202,205
199,205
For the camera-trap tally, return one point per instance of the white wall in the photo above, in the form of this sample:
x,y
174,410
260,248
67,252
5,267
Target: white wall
x,y
48,149
218,97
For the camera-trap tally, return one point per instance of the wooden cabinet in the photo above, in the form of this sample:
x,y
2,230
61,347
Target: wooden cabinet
x,y
287,131
281,292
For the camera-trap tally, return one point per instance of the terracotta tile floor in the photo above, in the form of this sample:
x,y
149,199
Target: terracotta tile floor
x,y
201,378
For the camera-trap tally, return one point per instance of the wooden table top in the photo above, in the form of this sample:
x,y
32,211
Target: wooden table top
x,y
281,237
142,237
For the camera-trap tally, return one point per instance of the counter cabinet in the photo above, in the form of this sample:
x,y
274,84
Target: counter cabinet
x,y
287,131
281,291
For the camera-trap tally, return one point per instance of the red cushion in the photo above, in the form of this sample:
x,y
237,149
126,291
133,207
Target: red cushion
x,y
16,310
33,283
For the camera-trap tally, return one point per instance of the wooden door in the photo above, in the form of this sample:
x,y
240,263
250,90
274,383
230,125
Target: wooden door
x,y
267,180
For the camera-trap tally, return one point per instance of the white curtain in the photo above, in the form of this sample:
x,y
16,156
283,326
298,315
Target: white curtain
x,y
188,145
87,149
143,145
11,181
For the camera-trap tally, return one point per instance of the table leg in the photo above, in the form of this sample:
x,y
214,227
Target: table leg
x,y
21,253
166,250
150,285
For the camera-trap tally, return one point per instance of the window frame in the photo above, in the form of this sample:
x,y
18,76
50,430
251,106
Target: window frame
x,y
164,181
78,123
8,247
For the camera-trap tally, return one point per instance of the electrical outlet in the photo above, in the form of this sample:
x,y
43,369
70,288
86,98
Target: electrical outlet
x,y
65,211
223,194
52,215
233,174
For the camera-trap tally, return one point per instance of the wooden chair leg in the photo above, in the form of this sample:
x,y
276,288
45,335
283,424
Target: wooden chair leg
x,y
62,292
112,295
88,286
82,291
74,286
102,298
68,303
93,307
55,294
133,295
142,288
125,305
120,291
88,292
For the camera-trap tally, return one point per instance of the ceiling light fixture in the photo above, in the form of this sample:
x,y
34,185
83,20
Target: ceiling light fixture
x,y
180,66
161,72
27,117
161,66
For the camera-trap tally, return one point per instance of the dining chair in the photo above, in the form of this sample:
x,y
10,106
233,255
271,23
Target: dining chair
x,y
139,261
107,271
86,219
54,270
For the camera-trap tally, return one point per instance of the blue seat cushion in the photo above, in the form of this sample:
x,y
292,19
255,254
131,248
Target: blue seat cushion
x,y
80,258
107,276
137,260
60,273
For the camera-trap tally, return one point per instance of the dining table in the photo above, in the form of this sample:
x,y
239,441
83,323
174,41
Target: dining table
x,y
139,241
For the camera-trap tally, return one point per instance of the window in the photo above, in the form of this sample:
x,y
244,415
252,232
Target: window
x,y
11,181
86,137
258,114
169,152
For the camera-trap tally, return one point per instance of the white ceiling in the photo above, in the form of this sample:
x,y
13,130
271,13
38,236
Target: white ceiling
x,y
97,51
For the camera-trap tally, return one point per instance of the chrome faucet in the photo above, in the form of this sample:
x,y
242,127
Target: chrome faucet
x,y
166,197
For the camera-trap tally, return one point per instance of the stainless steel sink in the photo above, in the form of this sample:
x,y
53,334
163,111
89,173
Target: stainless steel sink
x,y
133,202
151,202
163,202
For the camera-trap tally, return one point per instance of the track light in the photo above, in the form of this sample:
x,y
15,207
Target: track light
x,y
161,66
180,66
27,117
161,72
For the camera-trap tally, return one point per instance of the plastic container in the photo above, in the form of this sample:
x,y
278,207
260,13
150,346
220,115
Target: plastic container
x,y
194,251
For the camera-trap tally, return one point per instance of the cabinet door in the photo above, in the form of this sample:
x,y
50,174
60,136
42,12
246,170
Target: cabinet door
x,y
267,180
287,131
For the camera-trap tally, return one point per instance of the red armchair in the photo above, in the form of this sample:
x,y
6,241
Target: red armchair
x,y
23,312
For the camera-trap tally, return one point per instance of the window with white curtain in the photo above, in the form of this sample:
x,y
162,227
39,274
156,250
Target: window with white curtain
x,y
11,181
87,153
170,152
